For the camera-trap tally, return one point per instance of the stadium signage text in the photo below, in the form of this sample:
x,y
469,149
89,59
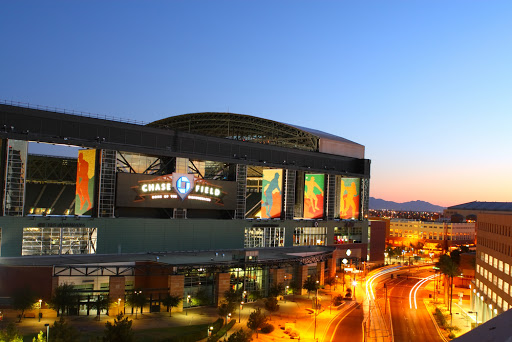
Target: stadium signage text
x,y
179,185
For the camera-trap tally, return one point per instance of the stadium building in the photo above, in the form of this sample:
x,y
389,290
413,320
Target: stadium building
x,y
190,205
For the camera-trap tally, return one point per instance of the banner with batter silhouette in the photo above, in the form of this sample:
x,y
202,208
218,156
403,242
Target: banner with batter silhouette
x,y
349,198
314,196
271,193
85,171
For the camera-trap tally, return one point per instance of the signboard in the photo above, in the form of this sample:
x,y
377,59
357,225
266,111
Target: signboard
x,y
314,196
349,198
175,190
85,170
271,193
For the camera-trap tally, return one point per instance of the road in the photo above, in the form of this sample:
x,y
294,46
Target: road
x,y
410,324
347,326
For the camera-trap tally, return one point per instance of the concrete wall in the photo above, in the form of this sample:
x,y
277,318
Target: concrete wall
x,y
133,235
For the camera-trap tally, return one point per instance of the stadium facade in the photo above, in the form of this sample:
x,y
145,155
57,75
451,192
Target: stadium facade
x,y
187,204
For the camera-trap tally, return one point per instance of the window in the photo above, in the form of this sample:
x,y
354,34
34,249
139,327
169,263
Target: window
x,y
310,236
500,265
505,287
264,237
495,263
486,258
55,241
507,269
500,284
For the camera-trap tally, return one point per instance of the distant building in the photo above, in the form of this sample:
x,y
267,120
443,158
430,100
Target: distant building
x,y
492,290
470,211
409,232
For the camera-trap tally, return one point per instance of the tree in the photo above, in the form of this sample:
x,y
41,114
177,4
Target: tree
x,y
102,303
23,299
136,299
202,297
256,320
276,290
63,298
63,332
119,331
10,334
310,285
450,269
225,308
239,336
233,296
330,281
295,286
40,337
172,301
271,305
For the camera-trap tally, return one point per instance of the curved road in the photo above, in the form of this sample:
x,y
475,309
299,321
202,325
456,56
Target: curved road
x,y
410,325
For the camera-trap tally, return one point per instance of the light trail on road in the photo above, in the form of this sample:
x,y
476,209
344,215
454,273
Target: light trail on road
x,y
415,288
369,282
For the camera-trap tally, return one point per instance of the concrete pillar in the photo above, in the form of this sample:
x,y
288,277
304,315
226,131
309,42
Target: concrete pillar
x,y
116,286
320,272
331,264
302,274
222,284
176,284
278,276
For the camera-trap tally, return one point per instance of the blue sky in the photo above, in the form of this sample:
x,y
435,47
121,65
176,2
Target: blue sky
x,y
424,85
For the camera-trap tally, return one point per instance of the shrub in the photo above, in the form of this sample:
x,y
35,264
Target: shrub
x,y
267,328
337,300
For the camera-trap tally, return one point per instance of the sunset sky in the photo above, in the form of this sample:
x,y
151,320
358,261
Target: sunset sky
x,y
426,86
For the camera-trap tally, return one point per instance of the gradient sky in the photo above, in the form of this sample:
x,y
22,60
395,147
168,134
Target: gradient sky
x,y
426,86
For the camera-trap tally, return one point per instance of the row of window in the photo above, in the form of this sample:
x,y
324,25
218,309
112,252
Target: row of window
x,y
498,300
274,236
495,262
57,241
495,228
500,247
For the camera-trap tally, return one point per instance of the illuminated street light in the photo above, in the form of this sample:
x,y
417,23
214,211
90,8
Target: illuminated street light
x,y
354,283
40,303
210,331
188,305
241,307
316,308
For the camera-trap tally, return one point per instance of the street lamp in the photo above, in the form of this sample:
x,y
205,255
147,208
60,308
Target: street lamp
x,y
118,305
47,325
241,307
476,317
39,314
210,331
354,283
316,308
287,288
188,305
335,282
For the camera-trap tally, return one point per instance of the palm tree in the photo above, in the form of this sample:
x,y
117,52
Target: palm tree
x,y
450,269
172,301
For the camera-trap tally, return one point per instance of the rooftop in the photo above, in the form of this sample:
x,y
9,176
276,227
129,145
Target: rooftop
x,y
485,206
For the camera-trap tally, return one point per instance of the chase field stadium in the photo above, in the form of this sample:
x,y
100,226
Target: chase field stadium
x,y
191,204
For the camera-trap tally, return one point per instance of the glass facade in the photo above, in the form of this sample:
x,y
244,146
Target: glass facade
x,y
254,280
348,234
310,236
264,237
55,241
200,286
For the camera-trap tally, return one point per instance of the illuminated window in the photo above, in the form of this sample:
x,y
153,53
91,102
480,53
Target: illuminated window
x,y
486,258
264,237
500,284
500,265
495,263
55,241
308,236
505,287
507,269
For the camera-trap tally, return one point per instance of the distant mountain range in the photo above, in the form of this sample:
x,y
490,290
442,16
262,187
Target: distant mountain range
x,y
377,203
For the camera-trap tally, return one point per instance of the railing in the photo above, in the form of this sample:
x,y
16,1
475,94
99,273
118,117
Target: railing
x,y
72,112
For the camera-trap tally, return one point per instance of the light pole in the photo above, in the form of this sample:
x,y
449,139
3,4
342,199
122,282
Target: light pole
x,y
118,305
354,283
316,308
47,325
241,307
39,313
335,282
476,317
210,330
287,287
188,305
